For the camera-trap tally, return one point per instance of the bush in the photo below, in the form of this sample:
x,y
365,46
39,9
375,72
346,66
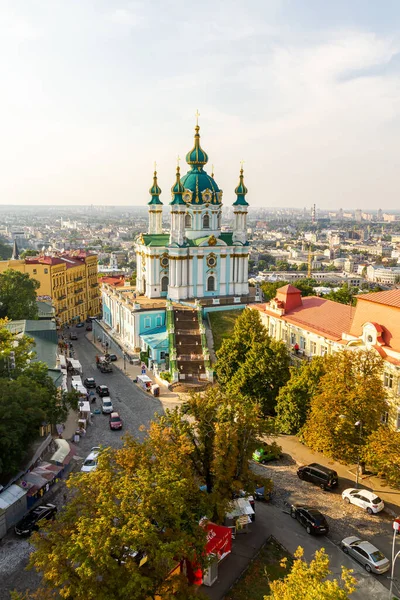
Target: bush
x,y
165,375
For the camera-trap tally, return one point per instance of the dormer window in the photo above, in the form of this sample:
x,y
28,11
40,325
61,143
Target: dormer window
x,y
206,222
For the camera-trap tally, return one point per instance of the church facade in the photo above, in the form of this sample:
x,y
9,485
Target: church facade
x,y
195,259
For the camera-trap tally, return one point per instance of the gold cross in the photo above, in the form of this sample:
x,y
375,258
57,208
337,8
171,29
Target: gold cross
x,y
197,117
241,164
178,159
155,166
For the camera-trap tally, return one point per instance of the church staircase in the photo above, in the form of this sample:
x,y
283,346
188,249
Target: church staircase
x,y
188,340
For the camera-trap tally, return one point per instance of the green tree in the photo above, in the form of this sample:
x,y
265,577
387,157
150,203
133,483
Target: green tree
x,y
282,265
293,402
306,286
302,267
23,352
128,524
18,295
382,453
5,251
350,391
251,364
344,295
29,252
269,288
310,581
219,433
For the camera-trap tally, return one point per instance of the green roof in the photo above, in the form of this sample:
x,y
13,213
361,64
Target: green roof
x,y
155,191
45,309
44,334
241,192
197,156
156,239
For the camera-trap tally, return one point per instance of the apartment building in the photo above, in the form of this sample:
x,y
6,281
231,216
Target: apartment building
x,y
69,279
319,327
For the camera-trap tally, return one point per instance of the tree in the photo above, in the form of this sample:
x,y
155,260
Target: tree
x,y
382,453
128,524
302,267
29,252
309,581
219,433
344,295
269,288
22,352
306,286
5,251
252,365
293,402
18,295
282,265
350,391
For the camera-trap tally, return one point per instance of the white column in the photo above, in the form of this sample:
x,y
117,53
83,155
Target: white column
x,y
179,273
241,269
172,272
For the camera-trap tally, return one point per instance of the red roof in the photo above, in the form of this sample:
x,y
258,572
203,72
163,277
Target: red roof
x,y
114,281
288,289
389,298
321,316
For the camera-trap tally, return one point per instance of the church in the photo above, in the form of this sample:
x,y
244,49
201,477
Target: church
x,y
195,259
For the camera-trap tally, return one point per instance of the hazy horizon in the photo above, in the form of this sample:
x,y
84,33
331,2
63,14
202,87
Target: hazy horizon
x,y
306,93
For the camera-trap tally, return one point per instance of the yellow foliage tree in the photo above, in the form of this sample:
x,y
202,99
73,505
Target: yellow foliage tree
x,y
309,581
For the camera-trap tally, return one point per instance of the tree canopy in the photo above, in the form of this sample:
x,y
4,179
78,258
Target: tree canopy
x,y
350,391
294,398
129,523
382,453
252,365
309,581
18,295
345,295
219,433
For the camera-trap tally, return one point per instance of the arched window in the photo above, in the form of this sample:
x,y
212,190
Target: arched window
x,y
219,220
211,284
206,222
164,284
188,221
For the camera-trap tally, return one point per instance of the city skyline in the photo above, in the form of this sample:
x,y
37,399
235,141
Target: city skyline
x,y
307,95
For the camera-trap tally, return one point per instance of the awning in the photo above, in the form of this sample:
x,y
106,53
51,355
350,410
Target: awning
x,y
219,540
63,449
239,507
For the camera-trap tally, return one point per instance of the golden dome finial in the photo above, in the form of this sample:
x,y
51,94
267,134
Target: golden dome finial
x,y
212,171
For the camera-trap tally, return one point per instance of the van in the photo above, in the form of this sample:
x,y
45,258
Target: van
x,y
326,478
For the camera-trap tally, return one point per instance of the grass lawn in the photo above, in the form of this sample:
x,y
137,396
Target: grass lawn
x,y
222,323
253,584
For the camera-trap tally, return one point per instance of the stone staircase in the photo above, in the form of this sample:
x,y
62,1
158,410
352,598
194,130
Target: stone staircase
x,y
189,351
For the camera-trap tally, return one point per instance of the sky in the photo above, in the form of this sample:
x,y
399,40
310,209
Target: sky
x,y
305,92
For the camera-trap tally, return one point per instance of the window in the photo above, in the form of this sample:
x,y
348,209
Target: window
x,y
46,271
302,343
147,322
292,339
388,380
324,350
188,221
211,284
272,329
313,347
219,220
385,418
34,271
162,355
206,222
164,284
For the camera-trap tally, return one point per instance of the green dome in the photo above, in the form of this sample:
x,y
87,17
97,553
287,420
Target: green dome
x,y
241,192
177,189
155,191
197,157
198,181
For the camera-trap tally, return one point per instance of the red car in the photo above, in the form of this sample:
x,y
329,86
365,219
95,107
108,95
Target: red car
x,y
115,421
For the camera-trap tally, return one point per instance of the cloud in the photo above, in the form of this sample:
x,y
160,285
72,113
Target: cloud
x,y
128,17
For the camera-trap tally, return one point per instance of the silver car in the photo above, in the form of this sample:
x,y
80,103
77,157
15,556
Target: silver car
x,y
367,554
106,405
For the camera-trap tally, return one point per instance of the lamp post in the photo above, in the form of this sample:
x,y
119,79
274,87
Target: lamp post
x,y
396,529
359,425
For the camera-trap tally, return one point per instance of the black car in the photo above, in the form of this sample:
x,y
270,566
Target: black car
x,y
310,518
102,390
323,476
30,522
89,382
113,357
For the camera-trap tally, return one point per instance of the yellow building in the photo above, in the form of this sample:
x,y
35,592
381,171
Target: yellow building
x,y
69,279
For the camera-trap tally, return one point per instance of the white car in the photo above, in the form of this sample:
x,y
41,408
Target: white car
x,y
106,405
365,499
90,463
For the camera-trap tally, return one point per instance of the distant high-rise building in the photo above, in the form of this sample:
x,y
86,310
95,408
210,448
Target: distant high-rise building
x,y
313,214
358,215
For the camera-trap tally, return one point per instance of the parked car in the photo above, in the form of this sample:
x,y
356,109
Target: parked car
x,y
310,518
89,382
323,476
88,328
365,499
106,405
367,554
267,452
115,421
73,336
90,462
80,324
102,390
30,522
112,357
105,368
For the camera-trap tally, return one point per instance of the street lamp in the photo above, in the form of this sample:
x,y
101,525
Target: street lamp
x,y
359,425
396,529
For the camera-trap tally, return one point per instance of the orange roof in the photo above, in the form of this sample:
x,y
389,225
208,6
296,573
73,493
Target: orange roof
x,y
115,281
389,298
288,289
324,317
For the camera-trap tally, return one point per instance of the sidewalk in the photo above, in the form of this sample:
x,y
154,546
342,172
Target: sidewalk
x,y
303,456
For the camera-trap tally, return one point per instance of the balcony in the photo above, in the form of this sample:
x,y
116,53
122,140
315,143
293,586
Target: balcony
x,y
78,291
78,302
93,285
62,297
78,278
